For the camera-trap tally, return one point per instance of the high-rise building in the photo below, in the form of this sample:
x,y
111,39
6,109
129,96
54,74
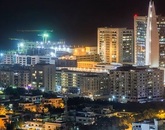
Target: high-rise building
x,y
152,38
115,45
140,23
149,39
161,30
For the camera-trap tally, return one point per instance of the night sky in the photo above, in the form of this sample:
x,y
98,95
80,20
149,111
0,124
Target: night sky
x,y
75,21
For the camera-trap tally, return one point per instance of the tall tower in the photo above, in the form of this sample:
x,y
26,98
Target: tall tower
x,y
140,26
152,38
140,23
161,31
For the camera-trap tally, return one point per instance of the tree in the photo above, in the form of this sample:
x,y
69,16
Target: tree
x,y
147,114
3,110
2,124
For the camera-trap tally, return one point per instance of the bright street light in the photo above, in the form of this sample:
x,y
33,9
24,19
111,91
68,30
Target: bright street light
x,y
21,44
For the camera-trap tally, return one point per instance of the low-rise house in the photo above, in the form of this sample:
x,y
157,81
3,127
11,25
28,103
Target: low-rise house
x,y
32,98
40,125
55,126
33,125
28,106
33,107
56,102
85,118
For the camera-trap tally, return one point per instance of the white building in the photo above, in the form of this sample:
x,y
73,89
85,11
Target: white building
x,y
149,125
8,59
152,38
28,60
147,38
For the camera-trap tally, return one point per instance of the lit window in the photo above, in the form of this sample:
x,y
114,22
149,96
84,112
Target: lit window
x,y
40,72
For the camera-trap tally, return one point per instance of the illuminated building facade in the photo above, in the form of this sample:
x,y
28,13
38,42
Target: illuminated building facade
x,y
92,58
55,125
33,125
95,84
115,45
79,51
161,30
86,64
66,79
41,48
40,125
136,84
43,76
28,60
151,37
66,61
55,102
91,50
32,98
86,54
140,39
14,75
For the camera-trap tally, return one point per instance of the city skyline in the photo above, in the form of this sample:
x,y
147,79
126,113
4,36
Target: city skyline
x,y
75,21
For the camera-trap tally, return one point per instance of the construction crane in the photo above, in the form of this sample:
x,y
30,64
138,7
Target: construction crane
x,y
17,39
21,44
35,31
44,34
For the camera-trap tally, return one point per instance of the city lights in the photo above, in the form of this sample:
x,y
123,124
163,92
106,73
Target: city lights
x,y
45,36
1,54
116,81
113,97
21,44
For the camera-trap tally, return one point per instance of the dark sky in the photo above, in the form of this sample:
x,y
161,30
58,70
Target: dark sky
x,y
75,21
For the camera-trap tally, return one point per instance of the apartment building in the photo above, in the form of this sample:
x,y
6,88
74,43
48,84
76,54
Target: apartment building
x,y
115,45
136,84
